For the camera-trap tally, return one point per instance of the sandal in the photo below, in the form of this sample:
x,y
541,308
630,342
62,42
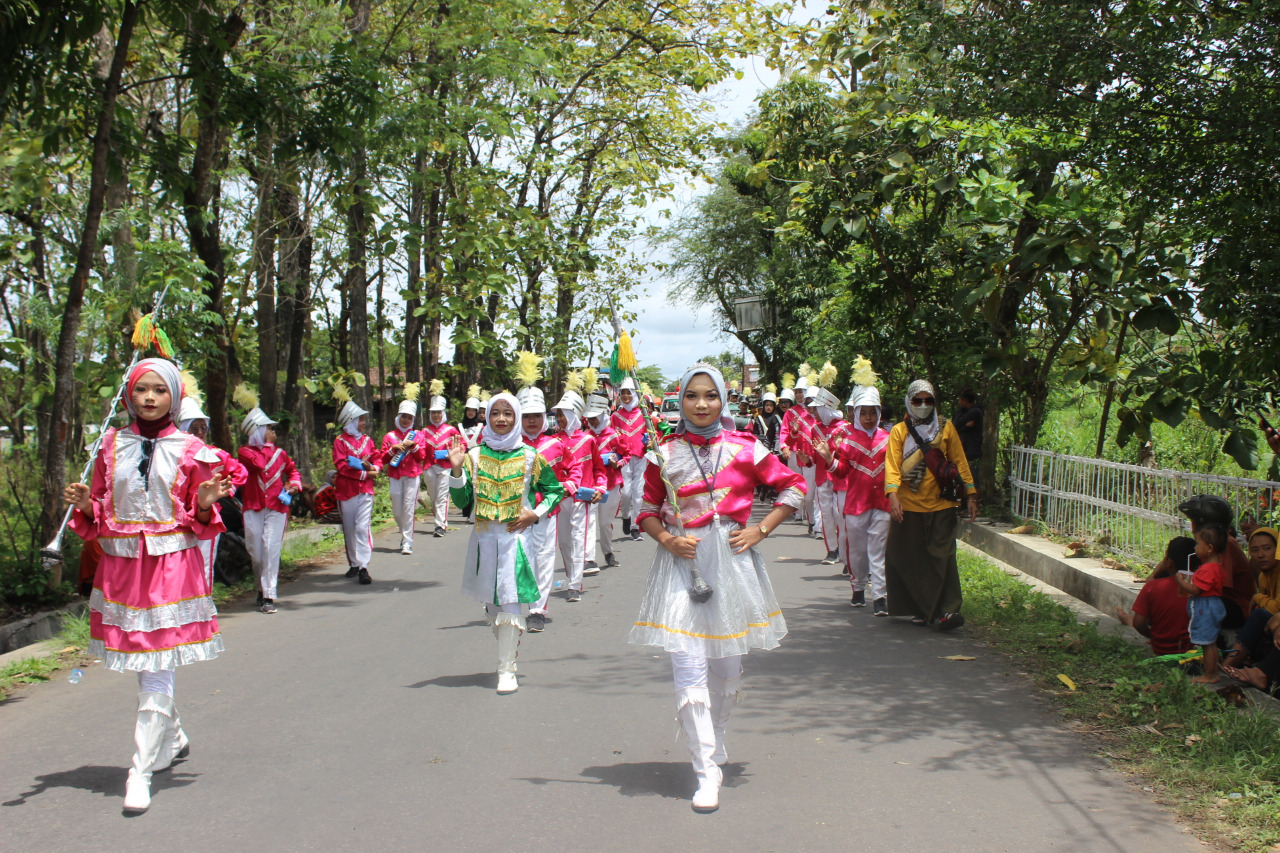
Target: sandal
x,y
919,620
950,621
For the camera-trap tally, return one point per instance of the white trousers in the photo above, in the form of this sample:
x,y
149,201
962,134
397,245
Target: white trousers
x,y
840,499
208,553
811,498
691,670
867,534
158,681
437,481
263,537
572,535
357,529
404,501
541,539
600,524
632,487
826,510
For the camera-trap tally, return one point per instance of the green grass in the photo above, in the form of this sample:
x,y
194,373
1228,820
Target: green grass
x,y
70,643
1189,744
296,554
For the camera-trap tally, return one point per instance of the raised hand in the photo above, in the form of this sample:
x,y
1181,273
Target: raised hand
x,y
456,455
213,490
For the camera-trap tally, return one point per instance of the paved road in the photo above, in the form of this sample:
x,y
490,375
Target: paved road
x,y
364,718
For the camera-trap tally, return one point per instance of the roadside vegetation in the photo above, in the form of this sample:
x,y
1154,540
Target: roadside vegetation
x,y
1210,758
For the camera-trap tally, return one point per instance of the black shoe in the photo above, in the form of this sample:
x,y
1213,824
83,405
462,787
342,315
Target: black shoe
x,y
574,595
950,621
844,570
859,598
268,606
880,606
626,527
611,561
810,530
831,558
535,623
258,603
591,568
439,534
364,576
637,534
352,572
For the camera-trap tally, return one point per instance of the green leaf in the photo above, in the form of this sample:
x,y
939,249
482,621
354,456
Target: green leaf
x,y
1242,446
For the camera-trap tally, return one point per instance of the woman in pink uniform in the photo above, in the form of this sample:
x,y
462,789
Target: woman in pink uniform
x,y
153,496
714,472
358,462
612,458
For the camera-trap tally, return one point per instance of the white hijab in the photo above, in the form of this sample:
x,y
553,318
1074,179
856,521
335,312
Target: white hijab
x,y
542,427
258,438
712,429
512,439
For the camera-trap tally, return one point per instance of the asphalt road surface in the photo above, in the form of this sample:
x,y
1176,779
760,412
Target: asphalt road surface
x,y
365,718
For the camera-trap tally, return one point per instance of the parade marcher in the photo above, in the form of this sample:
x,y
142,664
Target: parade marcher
x,y
579,445
612,458
629,423
765,425
713,471
437,437
827,426
541,537
405,451
152,497
273,484
921,572
510,487
193,421
358,461
859,458
470,426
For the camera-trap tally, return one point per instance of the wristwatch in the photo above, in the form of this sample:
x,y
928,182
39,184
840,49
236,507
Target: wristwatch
x,y
764,531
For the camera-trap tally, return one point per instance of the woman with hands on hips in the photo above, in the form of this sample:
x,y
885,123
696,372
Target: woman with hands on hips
x,y
713,472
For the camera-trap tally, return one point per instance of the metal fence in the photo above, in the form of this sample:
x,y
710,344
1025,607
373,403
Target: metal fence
x,y
1128,508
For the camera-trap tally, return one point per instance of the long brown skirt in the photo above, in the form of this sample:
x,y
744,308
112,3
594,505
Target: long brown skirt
x,y
921,573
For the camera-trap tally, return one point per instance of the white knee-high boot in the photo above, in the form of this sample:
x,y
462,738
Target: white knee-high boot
x,y
693,707
174,744
724,693
507,627
155,710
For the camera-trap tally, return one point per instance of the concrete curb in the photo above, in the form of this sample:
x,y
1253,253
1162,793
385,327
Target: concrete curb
x,y
25,638
1083,578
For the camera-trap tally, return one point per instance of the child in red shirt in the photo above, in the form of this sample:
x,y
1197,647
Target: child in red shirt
x,y
1205,603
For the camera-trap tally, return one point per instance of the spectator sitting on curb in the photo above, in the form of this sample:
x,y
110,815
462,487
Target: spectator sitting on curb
x,y
1254,641
1160,612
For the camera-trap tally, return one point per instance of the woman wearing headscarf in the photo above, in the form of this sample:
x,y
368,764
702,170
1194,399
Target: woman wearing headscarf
x,y
713,472
358,462
153,496
922,576
273,484
511,487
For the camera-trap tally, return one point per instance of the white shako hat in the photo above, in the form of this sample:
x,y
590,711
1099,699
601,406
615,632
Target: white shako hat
x,y
811,393
573,401
801,384
628,384
769,397
823,397
407,407
472,403
597,405
191,411
436,404
864,395
531,401
787,394
256,418
350,412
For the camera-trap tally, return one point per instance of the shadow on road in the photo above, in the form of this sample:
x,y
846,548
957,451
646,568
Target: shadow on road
x,y
475,679
99,779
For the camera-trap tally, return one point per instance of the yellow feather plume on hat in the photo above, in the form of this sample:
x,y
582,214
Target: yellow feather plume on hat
x,y
788,380
827,376
473,391
805,370
528,370
645,389
573,381
191,388
412,390
485,396
341,393
863,374
771,388
245,397
590,379
436,388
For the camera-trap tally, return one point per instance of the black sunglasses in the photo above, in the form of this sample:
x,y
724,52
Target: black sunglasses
x,y
922,401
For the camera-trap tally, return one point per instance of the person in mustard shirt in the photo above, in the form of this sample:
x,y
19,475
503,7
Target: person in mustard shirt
x,y
921,573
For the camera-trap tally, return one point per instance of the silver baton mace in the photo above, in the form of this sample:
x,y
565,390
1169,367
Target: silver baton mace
x,y
699,590
51,554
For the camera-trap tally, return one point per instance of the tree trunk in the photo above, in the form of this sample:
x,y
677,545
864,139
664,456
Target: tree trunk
x,y
357,285
264,238
64,390
1111,390
413,283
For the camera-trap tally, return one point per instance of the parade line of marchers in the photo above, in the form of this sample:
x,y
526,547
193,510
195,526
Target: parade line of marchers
x,y
539,486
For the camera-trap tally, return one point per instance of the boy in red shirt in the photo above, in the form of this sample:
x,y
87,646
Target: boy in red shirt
x,y
1205,590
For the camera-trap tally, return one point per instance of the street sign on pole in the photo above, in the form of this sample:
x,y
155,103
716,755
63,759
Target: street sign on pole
x,y
751,314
